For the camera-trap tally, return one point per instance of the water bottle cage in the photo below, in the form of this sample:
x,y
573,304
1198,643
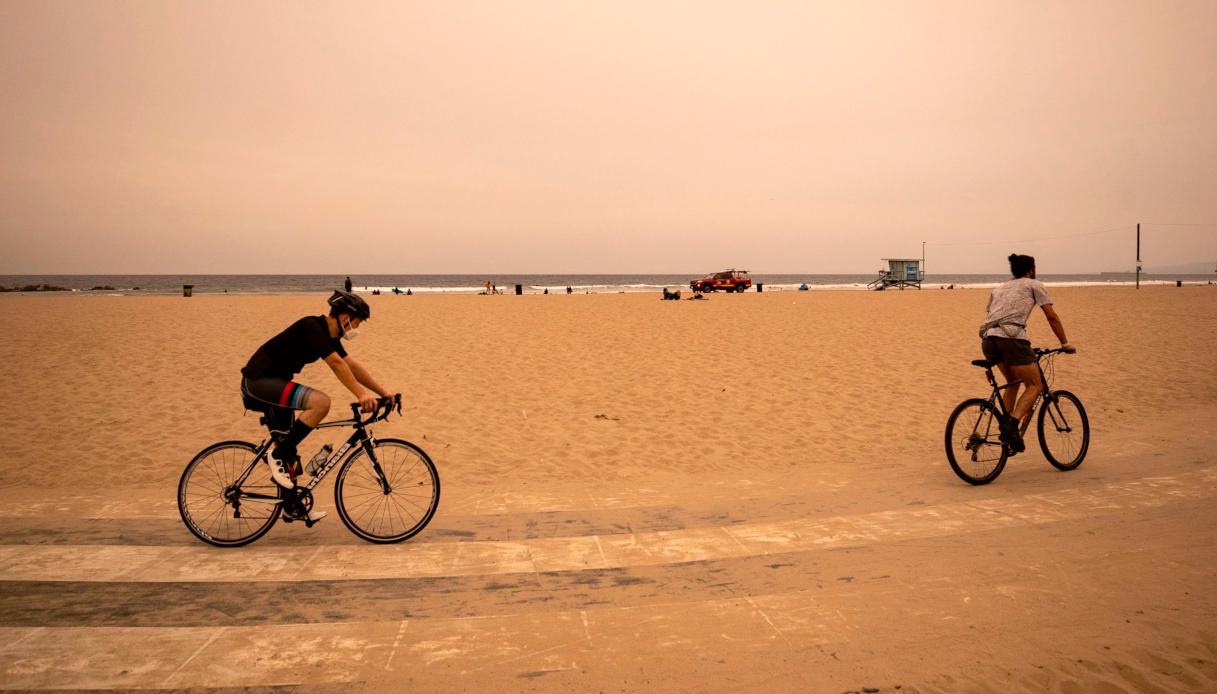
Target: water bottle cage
x,y
318,461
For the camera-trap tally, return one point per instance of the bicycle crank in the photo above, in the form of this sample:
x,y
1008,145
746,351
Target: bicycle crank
x,y
297,509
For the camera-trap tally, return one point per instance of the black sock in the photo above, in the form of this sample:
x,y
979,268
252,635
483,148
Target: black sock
x,y
294,436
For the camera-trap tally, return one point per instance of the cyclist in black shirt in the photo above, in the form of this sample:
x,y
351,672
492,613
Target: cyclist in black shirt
x,y
267,383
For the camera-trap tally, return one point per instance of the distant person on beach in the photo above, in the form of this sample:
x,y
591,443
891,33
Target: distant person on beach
x,y
347,284
1004,340
267,378
569,290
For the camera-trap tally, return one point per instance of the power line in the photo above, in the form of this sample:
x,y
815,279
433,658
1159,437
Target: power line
x,y
1032,240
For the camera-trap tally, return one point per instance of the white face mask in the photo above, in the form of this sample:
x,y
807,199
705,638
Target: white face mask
x,y
349,333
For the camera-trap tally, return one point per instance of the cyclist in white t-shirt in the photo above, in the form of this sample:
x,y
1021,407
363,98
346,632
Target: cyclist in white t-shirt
x,y
1004,340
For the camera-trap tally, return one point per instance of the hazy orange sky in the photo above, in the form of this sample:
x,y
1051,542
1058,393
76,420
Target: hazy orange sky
x,y
576,136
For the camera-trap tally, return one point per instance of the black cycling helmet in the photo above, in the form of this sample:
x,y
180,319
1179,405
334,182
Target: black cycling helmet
x,y
348,303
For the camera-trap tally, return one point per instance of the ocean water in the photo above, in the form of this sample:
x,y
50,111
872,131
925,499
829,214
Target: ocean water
x,y
529,284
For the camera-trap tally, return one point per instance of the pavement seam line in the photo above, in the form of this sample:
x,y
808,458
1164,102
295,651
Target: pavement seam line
x,y
200,649
304,564
768,621
396,642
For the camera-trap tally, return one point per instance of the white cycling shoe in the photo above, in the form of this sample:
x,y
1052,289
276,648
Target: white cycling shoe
x,y
314,516
278,471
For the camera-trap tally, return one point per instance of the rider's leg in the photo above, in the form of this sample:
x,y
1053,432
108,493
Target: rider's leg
x,y
316,405
1032,388
1009,396
1017,363
1017,407
284,396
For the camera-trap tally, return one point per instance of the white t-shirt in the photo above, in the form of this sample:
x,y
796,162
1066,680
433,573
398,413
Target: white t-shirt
x,y
1009,306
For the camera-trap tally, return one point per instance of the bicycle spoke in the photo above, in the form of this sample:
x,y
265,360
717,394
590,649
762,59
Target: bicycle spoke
x,y
973,444
413,492
1064,431
203,495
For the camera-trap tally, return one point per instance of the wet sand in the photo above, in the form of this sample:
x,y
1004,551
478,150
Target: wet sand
x,y
743,494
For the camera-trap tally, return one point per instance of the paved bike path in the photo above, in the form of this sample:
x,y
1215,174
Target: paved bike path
x,y
538,607
200,563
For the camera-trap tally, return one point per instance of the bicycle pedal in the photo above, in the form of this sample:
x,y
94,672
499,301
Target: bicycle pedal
x,y
293,516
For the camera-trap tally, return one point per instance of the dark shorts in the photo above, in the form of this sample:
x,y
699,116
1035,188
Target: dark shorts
x,y
1005,350
277,397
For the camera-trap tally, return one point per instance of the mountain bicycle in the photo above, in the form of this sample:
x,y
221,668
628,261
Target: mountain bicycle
x,y
973,438
386,490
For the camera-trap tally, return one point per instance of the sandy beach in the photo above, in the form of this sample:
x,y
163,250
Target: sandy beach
x,y
745,494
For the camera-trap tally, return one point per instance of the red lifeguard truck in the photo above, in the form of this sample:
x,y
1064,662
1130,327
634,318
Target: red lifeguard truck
x,y
727,281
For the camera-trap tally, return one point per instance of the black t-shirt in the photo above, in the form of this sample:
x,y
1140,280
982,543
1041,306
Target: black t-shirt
x,y
285,354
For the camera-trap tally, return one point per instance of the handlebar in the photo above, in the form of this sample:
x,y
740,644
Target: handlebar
x,y
1045,352
384,407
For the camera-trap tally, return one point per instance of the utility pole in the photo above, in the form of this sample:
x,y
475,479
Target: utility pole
x,y
1138,255
922,262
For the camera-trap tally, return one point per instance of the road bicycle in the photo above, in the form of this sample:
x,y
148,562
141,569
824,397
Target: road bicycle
x,y
386,490
973,438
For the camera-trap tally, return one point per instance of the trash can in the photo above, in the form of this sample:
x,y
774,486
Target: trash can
x,y
187,289
519,289
760,287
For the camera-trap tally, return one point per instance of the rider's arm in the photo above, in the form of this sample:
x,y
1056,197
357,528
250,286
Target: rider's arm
x,y
347,377
365,378
1054,321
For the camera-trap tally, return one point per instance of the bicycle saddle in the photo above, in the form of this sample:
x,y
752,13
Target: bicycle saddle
x,y
982,363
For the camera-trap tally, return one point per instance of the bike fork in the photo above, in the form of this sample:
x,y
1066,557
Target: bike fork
x,y
374,466
1057,417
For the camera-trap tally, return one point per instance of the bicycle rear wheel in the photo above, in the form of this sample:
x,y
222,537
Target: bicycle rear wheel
x,y
1064,430
215,508
974,447
397,509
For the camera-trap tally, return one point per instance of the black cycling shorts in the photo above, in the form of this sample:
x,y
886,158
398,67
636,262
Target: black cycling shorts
x,y
1006,350
277,397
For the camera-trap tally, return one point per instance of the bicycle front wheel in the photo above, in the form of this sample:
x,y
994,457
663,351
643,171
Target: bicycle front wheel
x,y
217,509
389,496
1064,430
974,446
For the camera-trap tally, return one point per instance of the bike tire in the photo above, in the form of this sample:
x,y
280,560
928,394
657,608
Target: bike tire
x,y
209,513
1066,442
974,448
377,516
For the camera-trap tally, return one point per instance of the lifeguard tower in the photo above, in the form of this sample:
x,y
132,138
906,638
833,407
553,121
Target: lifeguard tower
x,y
900,272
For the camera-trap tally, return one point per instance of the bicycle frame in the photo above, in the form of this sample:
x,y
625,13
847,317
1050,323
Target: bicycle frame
x,y
978,440
362,436
1045,395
